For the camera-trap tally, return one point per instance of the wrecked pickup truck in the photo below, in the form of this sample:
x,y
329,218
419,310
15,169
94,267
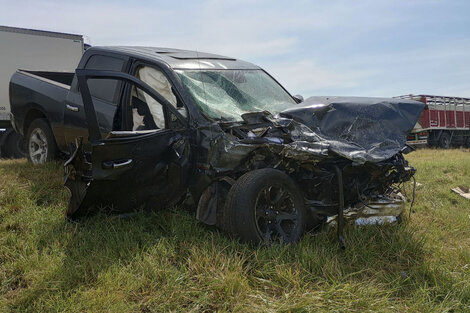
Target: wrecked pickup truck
x,y
223,135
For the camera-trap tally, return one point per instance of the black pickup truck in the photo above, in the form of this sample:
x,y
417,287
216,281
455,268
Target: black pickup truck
x,y
149,127
47,108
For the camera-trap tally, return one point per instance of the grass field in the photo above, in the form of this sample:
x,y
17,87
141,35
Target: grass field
x,y
167,261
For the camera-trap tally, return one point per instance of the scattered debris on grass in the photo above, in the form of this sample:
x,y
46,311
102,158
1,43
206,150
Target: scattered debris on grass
x,y
378,211
463,191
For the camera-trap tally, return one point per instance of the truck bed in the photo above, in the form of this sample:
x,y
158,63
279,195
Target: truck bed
x,y
63,78
39,93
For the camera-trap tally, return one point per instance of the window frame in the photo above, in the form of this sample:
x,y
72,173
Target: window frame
x,y
116,98
126,111
93,127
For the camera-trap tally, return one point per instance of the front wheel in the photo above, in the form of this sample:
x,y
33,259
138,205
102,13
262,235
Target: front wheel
x,y
265,206
41,144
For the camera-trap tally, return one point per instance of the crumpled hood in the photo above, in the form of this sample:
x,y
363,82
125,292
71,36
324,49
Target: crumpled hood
x,y
358,128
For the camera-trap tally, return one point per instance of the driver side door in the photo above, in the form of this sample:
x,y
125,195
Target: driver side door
x,y
127,170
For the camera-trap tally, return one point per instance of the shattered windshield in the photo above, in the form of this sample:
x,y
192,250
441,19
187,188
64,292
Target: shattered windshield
x,y
227,94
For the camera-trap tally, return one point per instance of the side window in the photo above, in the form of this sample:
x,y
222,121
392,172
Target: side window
x,y
147,112
105,89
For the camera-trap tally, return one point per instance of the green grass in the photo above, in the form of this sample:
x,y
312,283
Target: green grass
x,y
167,261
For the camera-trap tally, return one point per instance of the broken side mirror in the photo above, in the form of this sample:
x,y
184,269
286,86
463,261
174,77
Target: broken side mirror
x,y
298,98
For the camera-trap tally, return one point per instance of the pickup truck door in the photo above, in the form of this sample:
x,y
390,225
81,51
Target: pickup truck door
x,y
127,169
106,96
75,123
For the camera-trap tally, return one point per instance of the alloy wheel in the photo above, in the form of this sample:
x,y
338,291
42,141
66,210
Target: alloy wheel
x,y
276,217
38,146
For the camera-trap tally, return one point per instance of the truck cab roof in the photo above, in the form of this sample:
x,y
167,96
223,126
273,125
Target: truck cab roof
x,y
181,59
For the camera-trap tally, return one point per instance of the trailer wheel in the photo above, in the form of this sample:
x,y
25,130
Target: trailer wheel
x,y
40,142
467,142
444,140
265,205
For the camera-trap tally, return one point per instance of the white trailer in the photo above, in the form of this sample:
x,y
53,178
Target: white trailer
x,y
31,49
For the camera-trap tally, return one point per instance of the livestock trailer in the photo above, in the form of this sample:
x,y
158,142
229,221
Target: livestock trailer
x,y
444,122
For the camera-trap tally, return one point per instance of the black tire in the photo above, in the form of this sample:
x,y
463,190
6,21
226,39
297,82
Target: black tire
x,y
15,146
444,140
40,137
264,205
467,142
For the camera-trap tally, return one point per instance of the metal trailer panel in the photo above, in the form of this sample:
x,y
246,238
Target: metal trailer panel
x,y
441,114
34,50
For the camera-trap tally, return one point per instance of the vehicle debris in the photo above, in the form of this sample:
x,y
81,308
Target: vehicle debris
x,y
463,191
378,211
255,163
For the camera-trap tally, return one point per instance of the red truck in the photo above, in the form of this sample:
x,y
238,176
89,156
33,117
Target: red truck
x,y
444,122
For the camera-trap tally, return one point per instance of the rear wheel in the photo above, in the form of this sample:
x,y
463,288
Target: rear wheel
x,y
15,146
444,140
40,140
265,206
467,142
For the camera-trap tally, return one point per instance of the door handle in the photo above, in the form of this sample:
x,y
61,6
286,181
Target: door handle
x,y
71,108
116,164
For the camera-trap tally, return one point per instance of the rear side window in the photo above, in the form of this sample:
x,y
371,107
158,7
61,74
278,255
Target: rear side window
x,y
105,89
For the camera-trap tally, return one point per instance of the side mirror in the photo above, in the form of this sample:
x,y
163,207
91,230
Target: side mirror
x,y
298,98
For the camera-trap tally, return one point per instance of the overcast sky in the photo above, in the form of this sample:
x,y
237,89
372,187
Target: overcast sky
x,y
369,48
